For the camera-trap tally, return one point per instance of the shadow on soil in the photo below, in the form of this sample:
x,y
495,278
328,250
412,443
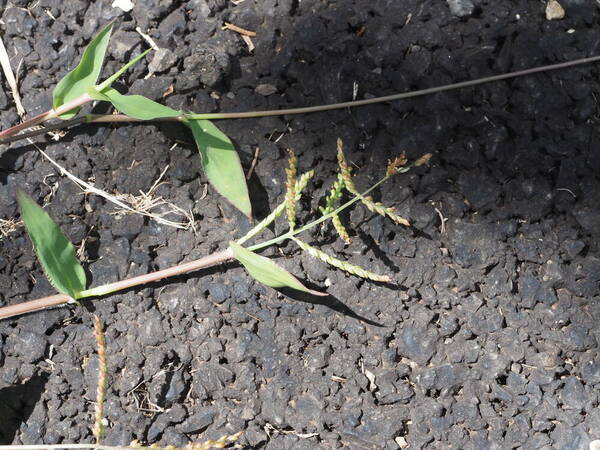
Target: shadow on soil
x,y
16,405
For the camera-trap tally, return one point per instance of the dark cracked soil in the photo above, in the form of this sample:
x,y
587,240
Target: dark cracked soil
x,y
490,340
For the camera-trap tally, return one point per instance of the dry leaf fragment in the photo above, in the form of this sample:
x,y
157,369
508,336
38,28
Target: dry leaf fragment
x,y
554,10
265,89
240,30
125,5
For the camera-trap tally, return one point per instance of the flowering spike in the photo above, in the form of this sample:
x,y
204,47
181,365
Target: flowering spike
x,y
335,194
344,265
263,224
219,443
345,169
381,209
341,229
290,195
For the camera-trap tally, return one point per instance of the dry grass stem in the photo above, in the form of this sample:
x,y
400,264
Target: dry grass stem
x,y
146,202
8,226
423,160
142,204
147,38
253,165
240,30
248,42
10,78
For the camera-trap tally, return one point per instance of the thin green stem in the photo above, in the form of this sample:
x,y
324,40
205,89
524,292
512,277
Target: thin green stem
x,y
389,98
110,80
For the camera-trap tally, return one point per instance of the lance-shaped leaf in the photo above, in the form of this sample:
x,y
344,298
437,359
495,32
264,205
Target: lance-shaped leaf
x,y
267,272
85,75
136,106
53,249
221,163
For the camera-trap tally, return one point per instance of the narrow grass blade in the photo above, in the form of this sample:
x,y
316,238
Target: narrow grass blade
x,y
221,163
85,75
136,106
53,249
267,272
115,76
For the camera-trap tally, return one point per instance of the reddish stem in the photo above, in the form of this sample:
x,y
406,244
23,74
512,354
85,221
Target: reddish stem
x,y
48,115
310,109
61,299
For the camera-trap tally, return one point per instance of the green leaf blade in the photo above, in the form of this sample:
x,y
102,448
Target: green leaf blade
x,y
221,163
267,272
53,249
85,75
136,106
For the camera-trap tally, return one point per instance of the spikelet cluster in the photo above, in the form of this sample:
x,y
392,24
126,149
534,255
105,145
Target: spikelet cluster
x,y
219,443
263,224
335,194
102,378
290,194
222,442
341,229
379,208
345,169
394,167
423,160
302,182
343,265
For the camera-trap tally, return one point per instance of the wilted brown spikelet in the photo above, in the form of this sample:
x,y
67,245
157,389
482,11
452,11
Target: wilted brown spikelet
x,y
423,160
290,194
395,164
101,389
